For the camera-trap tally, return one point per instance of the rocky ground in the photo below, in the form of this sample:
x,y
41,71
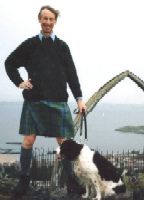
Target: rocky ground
x,y
9,175
7,185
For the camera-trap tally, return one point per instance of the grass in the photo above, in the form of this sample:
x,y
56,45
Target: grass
x,y
133,182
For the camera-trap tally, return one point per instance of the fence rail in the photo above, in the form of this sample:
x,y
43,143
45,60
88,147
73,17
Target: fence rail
x,y
47,170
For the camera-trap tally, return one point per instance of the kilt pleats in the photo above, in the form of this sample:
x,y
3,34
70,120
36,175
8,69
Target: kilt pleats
x,y
44,118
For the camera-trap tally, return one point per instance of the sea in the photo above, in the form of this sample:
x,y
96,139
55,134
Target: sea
x,y
101,124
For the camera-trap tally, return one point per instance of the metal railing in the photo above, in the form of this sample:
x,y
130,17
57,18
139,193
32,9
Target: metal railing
x,y
47,171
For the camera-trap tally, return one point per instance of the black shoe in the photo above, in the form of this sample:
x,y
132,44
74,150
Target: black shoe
x,y
73,186
22,186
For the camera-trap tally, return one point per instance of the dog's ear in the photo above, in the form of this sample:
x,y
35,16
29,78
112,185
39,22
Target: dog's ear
x,y
70,149
66,149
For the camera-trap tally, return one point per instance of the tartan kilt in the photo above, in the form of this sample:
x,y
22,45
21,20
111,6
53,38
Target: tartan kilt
x,y
44,118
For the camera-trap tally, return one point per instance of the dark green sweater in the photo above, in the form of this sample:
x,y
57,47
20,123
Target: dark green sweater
x,y
50,67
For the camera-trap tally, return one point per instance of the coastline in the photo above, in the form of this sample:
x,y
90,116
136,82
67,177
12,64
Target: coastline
x,y
9,158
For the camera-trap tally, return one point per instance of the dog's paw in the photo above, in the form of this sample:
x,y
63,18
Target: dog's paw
x,y
85,195
96,198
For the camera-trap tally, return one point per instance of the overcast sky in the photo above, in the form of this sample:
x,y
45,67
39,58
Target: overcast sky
x,y
105,37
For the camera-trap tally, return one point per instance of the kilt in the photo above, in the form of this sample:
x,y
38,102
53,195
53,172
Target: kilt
x,y
44,118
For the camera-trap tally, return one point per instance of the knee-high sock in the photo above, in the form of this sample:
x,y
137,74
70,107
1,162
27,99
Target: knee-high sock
x,y
25,161
72,182
68,167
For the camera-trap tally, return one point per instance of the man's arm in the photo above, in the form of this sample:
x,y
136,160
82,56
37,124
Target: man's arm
x,y
71,73
73,80
14,61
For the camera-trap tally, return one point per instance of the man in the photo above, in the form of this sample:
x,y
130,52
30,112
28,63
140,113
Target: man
x,y
50,66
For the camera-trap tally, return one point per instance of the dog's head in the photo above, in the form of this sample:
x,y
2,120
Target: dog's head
x,y
70,149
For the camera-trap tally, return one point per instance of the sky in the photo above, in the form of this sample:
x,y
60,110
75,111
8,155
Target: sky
x,y
106,37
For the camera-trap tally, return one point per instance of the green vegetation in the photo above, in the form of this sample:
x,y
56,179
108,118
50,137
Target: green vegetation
x,y
133,182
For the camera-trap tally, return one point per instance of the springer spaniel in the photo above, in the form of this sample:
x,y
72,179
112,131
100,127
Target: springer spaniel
x,y
94,171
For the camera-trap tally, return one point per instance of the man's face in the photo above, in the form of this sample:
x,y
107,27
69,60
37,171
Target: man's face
x,y
47,21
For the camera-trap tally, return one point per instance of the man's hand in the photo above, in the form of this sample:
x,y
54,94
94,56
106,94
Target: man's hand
x,y
81,105
26,85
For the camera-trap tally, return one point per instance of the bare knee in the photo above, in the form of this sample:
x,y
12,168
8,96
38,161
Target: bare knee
x,y
28,141
60,140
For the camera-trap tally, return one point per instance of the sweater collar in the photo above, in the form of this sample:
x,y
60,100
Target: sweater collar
x,y
52,35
